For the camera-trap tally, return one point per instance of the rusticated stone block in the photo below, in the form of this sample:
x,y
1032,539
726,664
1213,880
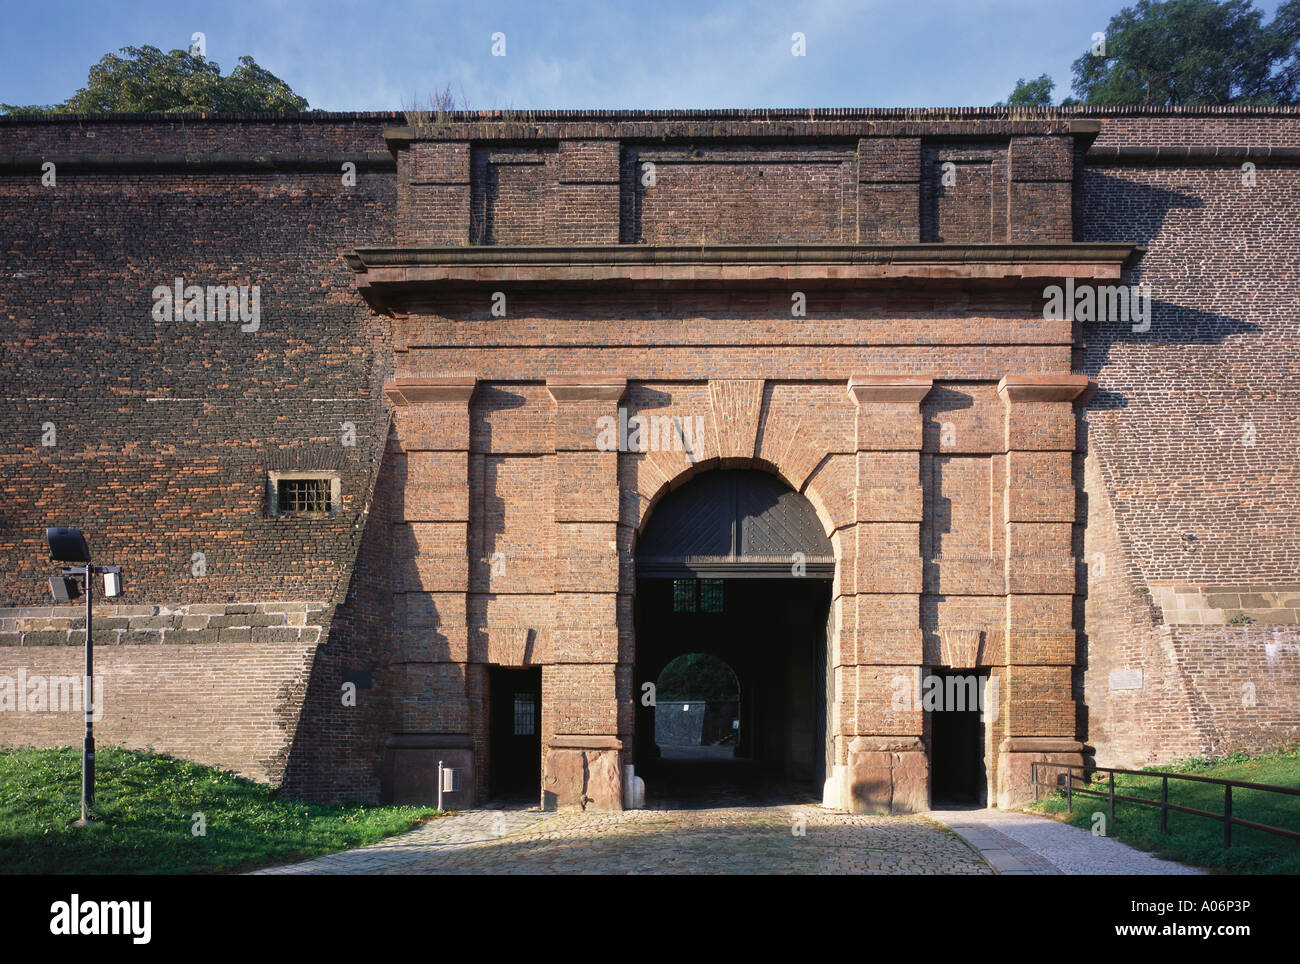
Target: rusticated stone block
x,y
431,487
890,574
581,698
883,780
1015,784
887,611
883,646
889,487
581,778
1039,702
1041,646
586,487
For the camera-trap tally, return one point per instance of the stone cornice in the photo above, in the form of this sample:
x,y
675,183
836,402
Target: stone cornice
x,y
413,391
520,256
890,388
586,388
1042,388
388,276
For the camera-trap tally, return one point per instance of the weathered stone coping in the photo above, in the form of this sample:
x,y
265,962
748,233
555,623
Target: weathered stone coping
x,y
301,161
245,622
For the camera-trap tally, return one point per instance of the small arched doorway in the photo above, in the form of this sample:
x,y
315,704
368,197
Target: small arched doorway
x,y
734,566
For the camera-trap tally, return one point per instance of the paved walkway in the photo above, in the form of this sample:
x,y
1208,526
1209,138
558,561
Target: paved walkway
x,y
1021,843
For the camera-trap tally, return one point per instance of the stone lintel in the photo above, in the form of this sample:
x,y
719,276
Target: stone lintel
x,y
579,742
1040,744
1042,388
890,388
413,391
884,744
586,388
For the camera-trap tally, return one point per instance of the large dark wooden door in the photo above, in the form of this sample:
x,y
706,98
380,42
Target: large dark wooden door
x,y
515,732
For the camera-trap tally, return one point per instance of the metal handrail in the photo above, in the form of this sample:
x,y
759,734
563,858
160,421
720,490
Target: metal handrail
x,y
1163,803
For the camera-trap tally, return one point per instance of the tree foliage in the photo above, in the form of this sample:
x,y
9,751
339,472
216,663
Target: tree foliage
x,y
1194,52
147,80
1172,52
697,676
1031,93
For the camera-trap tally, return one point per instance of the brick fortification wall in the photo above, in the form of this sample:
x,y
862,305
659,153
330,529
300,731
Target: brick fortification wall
x,y
1193,479
163,432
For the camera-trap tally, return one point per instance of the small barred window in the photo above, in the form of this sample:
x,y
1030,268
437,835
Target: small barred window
x,y
525,714
683,595
304,495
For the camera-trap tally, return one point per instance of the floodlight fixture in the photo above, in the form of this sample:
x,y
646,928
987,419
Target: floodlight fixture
x,y
67,545
64,588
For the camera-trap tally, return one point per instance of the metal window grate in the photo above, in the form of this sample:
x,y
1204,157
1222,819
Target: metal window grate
x,y
711,595
525,714
303,495
683,595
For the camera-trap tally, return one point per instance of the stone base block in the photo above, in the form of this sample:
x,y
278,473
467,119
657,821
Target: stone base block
x,y
409,770
582,773
882,775
1015,777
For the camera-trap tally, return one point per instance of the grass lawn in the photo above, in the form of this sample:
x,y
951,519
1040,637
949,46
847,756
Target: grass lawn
x,y
145,806
1199,840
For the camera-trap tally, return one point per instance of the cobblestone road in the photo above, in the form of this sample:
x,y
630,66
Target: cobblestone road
x,y
734,821
726,840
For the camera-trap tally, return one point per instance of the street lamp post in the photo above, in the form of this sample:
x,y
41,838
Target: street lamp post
x,y
88,692
69,545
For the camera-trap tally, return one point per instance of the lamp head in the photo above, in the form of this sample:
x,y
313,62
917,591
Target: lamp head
x,y
67,545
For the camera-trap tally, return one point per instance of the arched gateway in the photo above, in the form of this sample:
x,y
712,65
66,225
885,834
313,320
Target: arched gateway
x,y
582,391
736,564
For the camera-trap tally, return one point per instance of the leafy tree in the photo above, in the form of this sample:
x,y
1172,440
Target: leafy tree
x,y
1031,93
1194,52
697,676
1286,28
147,80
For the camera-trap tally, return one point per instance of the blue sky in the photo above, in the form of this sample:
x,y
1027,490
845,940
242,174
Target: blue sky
x,y
617,53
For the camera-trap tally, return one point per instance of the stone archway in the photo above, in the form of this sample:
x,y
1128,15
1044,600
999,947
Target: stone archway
x,y
736,564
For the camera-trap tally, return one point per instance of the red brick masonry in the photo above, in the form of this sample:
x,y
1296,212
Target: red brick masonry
x,y
852,300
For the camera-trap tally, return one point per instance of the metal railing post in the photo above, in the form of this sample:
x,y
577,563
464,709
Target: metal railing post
x,y
1089,788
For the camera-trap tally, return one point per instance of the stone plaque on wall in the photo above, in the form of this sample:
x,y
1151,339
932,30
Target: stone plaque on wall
x,y
1125,679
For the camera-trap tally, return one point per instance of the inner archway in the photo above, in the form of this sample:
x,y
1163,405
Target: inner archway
x,y
697,709
734,568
